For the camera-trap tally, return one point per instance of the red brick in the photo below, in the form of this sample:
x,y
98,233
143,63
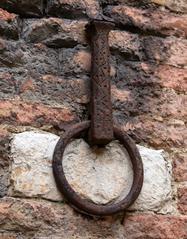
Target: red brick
x,y
22,113
118,94
125,42
172,77
180,166
25,8
8,236
151,226
173,105
26,86
182,200
9,25
6,16
43,219
82,59
173,5
3,131
157,22
168,51
72,91
157,134
56,32
77,8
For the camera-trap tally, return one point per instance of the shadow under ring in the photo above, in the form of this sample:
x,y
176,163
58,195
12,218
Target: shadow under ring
x,y
84,205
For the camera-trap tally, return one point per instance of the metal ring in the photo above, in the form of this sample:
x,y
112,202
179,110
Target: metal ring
x,y
84,205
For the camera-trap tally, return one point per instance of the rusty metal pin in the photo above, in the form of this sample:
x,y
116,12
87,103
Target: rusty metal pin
x,y
101,131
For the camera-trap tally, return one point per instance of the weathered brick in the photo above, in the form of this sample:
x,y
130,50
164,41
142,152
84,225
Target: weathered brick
x,y
44,219
17,112
180,166
174,5
10,54
170,51
148,129
7,235
47,89
23,59
53,89
144,74
76,62
4,160
7,84
9,25
172,77
126,43
68,33
182,200
54,32
73,8
83,60
153,22
27,8
178,6
155,226
148,90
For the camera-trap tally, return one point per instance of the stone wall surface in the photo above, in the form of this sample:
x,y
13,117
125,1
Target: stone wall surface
x,y
45,63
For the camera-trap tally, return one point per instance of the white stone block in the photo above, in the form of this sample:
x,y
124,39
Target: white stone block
x,y
101,175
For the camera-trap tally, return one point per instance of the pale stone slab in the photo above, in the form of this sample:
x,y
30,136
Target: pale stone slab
x,y
31,172
102,175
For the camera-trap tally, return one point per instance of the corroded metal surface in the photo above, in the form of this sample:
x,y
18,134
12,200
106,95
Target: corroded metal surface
x,y
101,131
72,197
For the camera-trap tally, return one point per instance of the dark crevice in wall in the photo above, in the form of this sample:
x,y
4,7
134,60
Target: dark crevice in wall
x,y
139,31
144,4
45,7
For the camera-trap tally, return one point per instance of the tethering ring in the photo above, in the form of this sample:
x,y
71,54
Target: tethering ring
x,y
84,205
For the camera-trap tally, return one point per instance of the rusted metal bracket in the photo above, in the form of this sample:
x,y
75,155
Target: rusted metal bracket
x,y
101,129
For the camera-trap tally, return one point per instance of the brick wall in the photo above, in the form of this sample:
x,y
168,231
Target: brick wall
x,y
44,84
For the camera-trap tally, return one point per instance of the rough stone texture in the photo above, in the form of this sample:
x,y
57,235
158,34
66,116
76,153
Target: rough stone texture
x,y
86,169
77,62
37,219
156,190
35,60
22,113
182,202
180,166
155,226
31,174
171,51
178,6
45,83
172,77
73,8
174,5
40,219
27,8
55,32
4,162
9,25
107,172
156,22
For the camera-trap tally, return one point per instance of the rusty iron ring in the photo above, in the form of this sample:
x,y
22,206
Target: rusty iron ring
x,y
83,205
